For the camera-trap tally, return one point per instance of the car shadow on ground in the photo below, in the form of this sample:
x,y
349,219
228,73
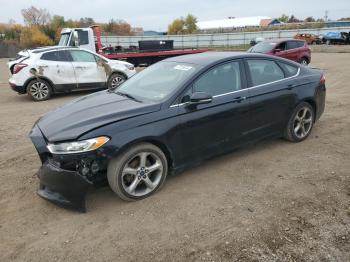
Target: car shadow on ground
x,y
104,198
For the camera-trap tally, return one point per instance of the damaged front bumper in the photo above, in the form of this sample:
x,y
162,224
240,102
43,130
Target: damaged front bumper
x,y
63,187
65,179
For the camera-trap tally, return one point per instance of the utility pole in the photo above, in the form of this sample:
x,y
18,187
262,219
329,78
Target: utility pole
x,y
326,16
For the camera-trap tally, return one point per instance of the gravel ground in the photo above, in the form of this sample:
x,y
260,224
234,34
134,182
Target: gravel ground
x,y
275,201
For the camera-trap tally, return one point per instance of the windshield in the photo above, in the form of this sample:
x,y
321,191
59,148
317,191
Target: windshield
x,y
158,81
263,47
64,39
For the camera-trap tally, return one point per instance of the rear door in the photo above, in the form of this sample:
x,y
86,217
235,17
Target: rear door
x,y
89,73
271,95
57,67
293,50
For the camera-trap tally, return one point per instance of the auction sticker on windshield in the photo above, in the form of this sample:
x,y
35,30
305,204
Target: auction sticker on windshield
x,y
183,67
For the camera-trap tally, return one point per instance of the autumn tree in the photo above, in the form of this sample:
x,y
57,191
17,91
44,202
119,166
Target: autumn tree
x,y
117,27
310,19
191,24
35,16
176,27
86,21
284,18
33,37
293,19
182,25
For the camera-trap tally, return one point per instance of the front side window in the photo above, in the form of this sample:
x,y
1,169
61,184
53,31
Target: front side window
x,y
264,71
82,56
219,80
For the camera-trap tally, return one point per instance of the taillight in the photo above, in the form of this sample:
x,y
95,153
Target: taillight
x,y
323,80
18,67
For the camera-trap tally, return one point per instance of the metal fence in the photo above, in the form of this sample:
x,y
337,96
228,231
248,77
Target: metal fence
x,y
216,40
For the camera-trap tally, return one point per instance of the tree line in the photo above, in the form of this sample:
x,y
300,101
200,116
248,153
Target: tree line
x,y
42,29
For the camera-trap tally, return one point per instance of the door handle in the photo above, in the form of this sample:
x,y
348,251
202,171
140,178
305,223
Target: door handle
x,y
239,99
80,67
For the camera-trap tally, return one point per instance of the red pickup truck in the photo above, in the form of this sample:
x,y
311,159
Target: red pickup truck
x,y
292,49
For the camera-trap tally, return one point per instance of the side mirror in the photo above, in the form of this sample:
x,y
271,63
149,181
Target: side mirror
x,y
277,50
198,98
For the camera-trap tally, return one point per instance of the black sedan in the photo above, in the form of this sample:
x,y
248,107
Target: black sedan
x,y
172,115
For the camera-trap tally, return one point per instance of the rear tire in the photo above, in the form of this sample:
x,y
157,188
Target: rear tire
x,y
39,90
300,123
138,172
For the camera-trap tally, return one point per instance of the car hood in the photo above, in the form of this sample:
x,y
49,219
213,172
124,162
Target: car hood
x,y
89,112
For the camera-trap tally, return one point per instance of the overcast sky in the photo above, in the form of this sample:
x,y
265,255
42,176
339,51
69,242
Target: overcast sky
x,y
157,14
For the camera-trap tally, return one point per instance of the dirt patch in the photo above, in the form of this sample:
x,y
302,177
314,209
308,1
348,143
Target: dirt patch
x,y
275,201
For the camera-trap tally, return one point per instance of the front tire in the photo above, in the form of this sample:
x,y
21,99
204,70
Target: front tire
x,y
115,80
138,173
300,123
39,90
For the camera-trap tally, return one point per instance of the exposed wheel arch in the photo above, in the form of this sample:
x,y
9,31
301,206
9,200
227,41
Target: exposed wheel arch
x,y
313,105
117,72
40,77
153,141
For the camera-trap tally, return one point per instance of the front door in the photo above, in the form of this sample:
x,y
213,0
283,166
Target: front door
x,y
89,73
209,129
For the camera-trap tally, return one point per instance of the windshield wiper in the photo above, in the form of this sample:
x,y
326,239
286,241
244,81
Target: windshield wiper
x,y
127,95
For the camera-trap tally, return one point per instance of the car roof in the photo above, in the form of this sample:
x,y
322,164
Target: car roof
x,y
50,48
279,40
208,58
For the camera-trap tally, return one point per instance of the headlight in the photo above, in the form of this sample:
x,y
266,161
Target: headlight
x,y
78,146
129,66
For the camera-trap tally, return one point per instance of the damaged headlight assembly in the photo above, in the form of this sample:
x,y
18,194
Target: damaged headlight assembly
x,y
78,146
129,66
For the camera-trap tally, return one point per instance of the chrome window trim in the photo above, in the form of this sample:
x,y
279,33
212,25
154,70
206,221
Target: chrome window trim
x,y
252,87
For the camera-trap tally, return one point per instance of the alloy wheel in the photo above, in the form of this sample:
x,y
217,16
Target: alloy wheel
x,y
116,81
39,90
303,122
304,62
142,174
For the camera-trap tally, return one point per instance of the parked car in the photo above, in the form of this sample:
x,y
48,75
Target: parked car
x,y
44,71
336,38
256,41
310,39
295,50
174,114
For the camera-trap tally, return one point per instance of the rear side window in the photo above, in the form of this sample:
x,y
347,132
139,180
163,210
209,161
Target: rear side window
x,y
289,69
300,43
264,71
82,56
294,44
220,80
55,56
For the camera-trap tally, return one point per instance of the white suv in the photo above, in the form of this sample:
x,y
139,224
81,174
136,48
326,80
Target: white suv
x,y
43,71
